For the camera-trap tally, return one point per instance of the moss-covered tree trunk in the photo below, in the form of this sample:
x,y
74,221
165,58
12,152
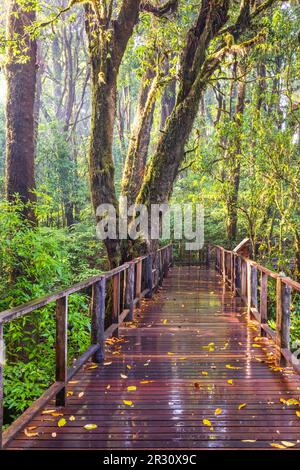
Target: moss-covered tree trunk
x,y
140,137
21,84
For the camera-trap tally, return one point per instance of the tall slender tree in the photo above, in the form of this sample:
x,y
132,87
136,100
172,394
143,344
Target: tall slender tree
x,y
21,85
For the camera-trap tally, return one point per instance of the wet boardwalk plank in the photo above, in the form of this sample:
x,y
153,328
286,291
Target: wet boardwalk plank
x,y
190,351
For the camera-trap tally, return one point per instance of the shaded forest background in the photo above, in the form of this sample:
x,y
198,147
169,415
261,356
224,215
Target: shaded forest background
x,y
240,148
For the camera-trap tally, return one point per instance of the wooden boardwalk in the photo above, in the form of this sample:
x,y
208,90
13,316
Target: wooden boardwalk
x,y
176,379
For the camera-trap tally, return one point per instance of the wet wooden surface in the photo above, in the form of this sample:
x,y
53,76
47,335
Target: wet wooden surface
x,y
180,352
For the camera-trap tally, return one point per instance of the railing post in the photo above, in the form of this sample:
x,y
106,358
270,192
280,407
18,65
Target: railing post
x,y
223,265
61,347
138,285
2,358
232,271
254,287
98,319
171,255
243,279
149,280
160,269
249,284
129,294
165,263
116,300
283,311
263,309
237,277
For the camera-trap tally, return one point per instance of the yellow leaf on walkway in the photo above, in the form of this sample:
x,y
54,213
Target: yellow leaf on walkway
x,y
229,366
72,418
128,402
242,405
131,388
298,414
206,422
48,412
218,411
61,422
89,427
288,444
204,372
30,434
278,446
230,382
165,321
248,440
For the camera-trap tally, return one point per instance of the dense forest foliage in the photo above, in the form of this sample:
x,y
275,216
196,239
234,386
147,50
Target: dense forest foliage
x,y
177,101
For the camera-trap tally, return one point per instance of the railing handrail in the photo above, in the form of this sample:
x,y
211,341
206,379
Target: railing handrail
x,y
241,274
287,280
137,283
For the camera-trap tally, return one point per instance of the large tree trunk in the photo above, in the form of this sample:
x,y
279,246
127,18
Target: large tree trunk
x,y
21,81
106,53
140,137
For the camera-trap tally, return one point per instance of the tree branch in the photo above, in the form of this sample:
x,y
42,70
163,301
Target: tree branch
x,y
169,7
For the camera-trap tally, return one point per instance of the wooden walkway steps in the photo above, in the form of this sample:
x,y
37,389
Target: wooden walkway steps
x,y
188,372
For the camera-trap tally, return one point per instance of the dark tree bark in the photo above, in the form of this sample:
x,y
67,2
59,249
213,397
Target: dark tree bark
x,y
140,137
21,81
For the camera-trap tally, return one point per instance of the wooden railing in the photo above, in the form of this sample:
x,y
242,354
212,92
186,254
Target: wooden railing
x,y
130,283
249,280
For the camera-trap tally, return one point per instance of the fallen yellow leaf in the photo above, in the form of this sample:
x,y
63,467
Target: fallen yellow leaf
x,y
206,422
72,418
230,382
242,405
89,427
288,444
131,388
48,412
128,402
204,372
248,440
229,366
298,414
218,411
61,422
278,446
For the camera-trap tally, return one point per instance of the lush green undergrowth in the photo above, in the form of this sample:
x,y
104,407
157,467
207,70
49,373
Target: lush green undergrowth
x,y
34,261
